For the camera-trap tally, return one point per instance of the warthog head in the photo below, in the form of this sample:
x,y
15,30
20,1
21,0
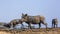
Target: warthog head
x,y
24,17
7,25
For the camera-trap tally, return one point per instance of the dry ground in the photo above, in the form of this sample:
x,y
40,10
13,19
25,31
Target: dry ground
x,y
29,31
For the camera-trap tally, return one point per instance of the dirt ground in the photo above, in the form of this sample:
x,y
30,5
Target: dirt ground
x,y
31,31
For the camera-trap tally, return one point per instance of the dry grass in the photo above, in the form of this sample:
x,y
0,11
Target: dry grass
x,y
33,31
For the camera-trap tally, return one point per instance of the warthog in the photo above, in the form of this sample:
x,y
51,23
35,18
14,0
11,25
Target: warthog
x,y
6,25
54,22
13,22
33,20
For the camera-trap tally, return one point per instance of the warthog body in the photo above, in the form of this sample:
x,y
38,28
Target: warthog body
x,y
54,22
13,22
33,20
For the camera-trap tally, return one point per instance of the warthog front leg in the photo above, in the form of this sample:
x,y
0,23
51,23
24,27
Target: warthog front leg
x,y
29,25
39,25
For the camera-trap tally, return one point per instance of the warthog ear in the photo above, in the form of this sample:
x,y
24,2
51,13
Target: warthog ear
x,y
22,14
25,14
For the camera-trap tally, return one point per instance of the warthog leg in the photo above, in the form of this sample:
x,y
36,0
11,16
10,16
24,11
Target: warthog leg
x,y
22,26
29,24
39,25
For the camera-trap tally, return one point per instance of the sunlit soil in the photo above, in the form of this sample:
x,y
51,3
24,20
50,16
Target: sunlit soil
x,y
31,31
